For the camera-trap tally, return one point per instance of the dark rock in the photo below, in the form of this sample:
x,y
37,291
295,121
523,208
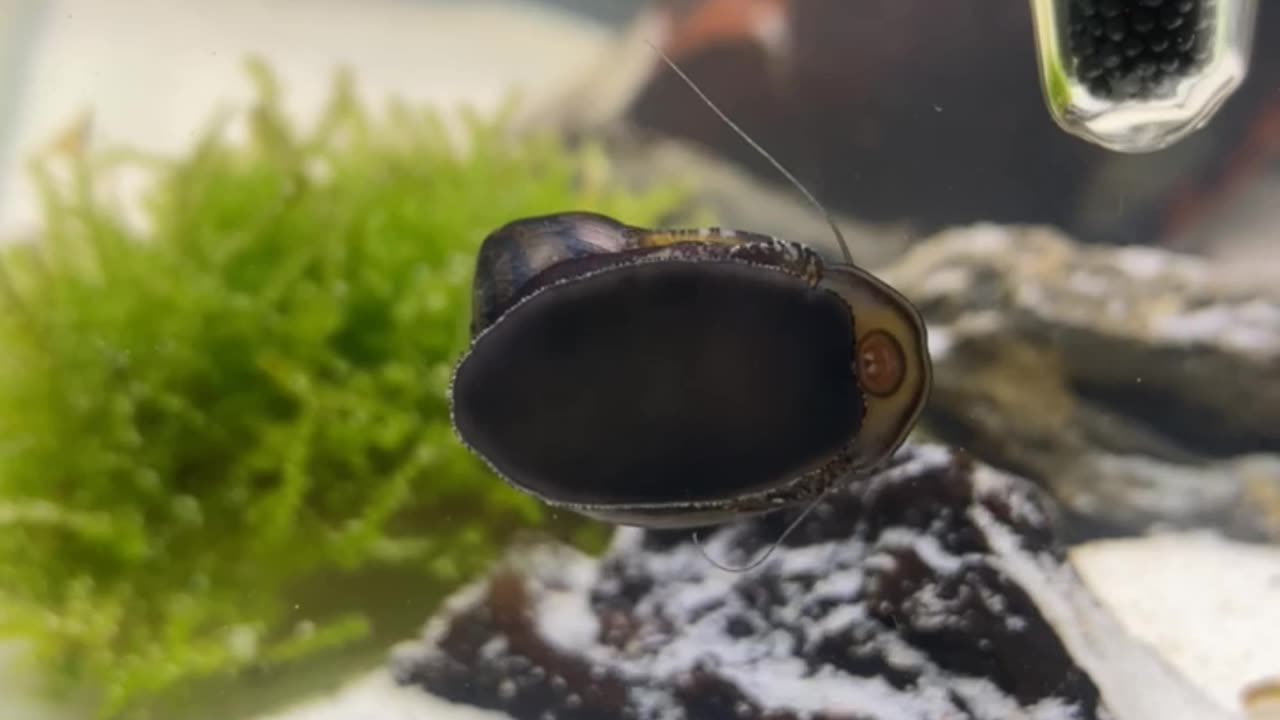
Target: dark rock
x,y
918,593
1140,386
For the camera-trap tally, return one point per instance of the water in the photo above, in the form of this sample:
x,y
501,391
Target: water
x,y
228,482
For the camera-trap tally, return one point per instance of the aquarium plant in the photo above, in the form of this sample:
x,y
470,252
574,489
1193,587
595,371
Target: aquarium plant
x,y
247,388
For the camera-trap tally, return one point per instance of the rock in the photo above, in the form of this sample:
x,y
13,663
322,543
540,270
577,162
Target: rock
x,y
1210,606
1140,386
934,589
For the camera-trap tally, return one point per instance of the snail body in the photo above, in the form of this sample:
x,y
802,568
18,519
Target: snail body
x,y
680,378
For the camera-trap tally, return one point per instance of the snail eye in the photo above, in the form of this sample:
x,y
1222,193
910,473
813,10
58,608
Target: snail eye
x,y
882,364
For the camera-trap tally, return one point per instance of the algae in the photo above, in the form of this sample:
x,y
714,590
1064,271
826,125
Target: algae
x,y
248,389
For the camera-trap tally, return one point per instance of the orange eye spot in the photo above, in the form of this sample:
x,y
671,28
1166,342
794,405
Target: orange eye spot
x,y
882,365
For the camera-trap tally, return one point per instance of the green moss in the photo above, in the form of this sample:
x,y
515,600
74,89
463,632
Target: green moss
x,y
1059,87
198,416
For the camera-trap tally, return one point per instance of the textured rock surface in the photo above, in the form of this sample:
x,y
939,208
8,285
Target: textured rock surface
x,y
933,590
1139,385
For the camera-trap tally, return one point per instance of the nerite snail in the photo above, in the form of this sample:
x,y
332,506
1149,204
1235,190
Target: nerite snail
x,y
681,378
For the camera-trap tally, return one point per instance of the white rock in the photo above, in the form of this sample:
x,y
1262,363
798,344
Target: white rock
x,y
1211,607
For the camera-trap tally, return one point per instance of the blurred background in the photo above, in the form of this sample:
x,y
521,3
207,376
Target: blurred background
x,y
894,112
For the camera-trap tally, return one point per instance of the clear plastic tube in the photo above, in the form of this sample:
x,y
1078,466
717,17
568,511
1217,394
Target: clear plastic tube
x,y
1139,75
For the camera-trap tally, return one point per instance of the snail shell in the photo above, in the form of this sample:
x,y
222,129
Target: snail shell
x,y
679,378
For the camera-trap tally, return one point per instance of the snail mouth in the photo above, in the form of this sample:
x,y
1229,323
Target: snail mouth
x,y
662,382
